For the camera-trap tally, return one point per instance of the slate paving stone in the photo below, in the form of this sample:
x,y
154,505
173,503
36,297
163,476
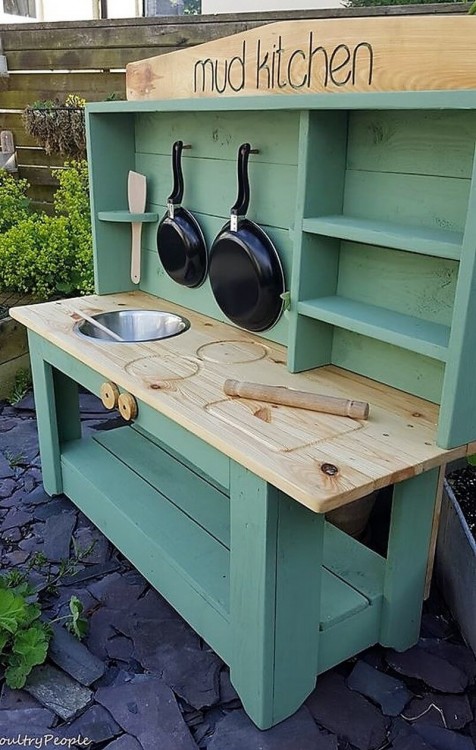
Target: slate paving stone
x,y
27,403
57,691
12,535
15,558
435,626
390,694
411,741
64,594
16,699
120,648
457,654
228,693
101,630
346,713
9,502
20,719
91,572
454,711
147,709
126,742
20,442
7,487
96,723
118,591
73,657
237,732
91,539
30,544
15,518
6,470
58,531
443,739
37,497
437,673
53,507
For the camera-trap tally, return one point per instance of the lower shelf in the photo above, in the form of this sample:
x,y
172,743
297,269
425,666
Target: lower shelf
x,y
114,478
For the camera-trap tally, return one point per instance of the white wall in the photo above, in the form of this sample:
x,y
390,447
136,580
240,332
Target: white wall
x,y
248,6
80,10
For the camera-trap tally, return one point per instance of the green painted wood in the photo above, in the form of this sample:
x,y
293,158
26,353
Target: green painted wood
x,y
354,563
126,216
202,457
348,637
407,331
434,142
320,191
346,101
111,156
274,602
338,600
417,200
417,285
407,556
218,135
211,186
200,500
187,565
57,411
388,364
437,242
458,411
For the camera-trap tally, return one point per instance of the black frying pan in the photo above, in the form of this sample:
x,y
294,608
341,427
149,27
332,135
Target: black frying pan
x,y
180,242
245,271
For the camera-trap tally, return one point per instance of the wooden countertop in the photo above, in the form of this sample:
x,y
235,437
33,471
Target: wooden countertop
x,y
183,378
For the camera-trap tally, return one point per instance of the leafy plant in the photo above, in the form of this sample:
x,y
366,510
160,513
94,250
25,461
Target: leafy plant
x,y
14,203
45,255
21,385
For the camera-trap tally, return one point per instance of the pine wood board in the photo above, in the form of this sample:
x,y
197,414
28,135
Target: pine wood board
x,y
315,56
183,376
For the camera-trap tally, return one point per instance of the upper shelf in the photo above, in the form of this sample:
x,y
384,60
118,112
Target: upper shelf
x,y
126,217
441,243
406,331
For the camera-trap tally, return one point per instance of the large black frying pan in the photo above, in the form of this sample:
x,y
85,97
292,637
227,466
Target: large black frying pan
x,y
180,241
245,270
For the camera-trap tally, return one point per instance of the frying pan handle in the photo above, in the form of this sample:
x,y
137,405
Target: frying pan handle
x,y
241,204
175,198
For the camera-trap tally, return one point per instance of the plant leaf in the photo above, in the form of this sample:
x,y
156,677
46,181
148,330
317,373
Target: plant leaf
x,y
76,624
31,646
13,610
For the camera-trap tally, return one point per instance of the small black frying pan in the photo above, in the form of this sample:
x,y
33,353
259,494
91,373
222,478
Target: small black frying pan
x,y
180,241
245,271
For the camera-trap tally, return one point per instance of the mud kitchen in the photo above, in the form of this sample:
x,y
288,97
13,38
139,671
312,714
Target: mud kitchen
x,y
318,235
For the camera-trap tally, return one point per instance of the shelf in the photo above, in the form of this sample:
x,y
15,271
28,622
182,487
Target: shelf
x,y
406,331
440,243
126,217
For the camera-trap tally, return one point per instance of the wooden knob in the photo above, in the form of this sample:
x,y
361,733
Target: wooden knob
x,y
127,406
109,395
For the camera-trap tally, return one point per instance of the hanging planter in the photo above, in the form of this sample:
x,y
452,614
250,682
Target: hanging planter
x,y
58,128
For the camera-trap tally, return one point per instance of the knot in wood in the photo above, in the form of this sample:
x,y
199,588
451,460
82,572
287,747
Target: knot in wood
x,y
329,469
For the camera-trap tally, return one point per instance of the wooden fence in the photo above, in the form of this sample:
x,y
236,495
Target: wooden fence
x,y
88,58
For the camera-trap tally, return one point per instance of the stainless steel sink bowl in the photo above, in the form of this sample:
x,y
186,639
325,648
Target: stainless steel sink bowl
x,y
134,326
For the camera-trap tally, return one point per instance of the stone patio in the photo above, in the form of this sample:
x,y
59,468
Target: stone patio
x,y
142,679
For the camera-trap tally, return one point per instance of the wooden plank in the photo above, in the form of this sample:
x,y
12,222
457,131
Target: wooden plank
x,y
8,373
435,242
403,369
13,340
188,567
39,176
407,331
38,157
407,556
434,531
88,58
338,601
206,358
274,604
430,143
353,562
417,200
214,135
408,283
348,637
241,65
13,121
208,507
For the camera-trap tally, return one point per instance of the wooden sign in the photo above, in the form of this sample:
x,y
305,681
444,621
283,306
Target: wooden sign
x,y
316,56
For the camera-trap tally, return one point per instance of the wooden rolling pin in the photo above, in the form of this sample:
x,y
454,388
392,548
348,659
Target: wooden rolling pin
x,y
278,394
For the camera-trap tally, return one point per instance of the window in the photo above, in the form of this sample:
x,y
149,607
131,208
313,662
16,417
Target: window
x,y
20,8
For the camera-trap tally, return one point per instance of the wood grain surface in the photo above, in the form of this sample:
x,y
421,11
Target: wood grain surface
x,y
314,56
322,461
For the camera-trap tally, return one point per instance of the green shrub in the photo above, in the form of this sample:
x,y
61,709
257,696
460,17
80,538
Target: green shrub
x,y
14,204
46,255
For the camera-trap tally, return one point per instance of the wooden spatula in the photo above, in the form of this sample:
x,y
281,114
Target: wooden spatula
x,y
136,194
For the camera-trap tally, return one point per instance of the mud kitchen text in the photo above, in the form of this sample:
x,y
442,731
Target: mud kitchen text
x,y
315,67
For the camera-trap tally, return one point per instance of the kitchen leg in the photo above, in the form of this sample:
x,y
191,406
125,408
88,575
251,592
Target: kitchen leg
x,y
57,411
275,587
407,555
